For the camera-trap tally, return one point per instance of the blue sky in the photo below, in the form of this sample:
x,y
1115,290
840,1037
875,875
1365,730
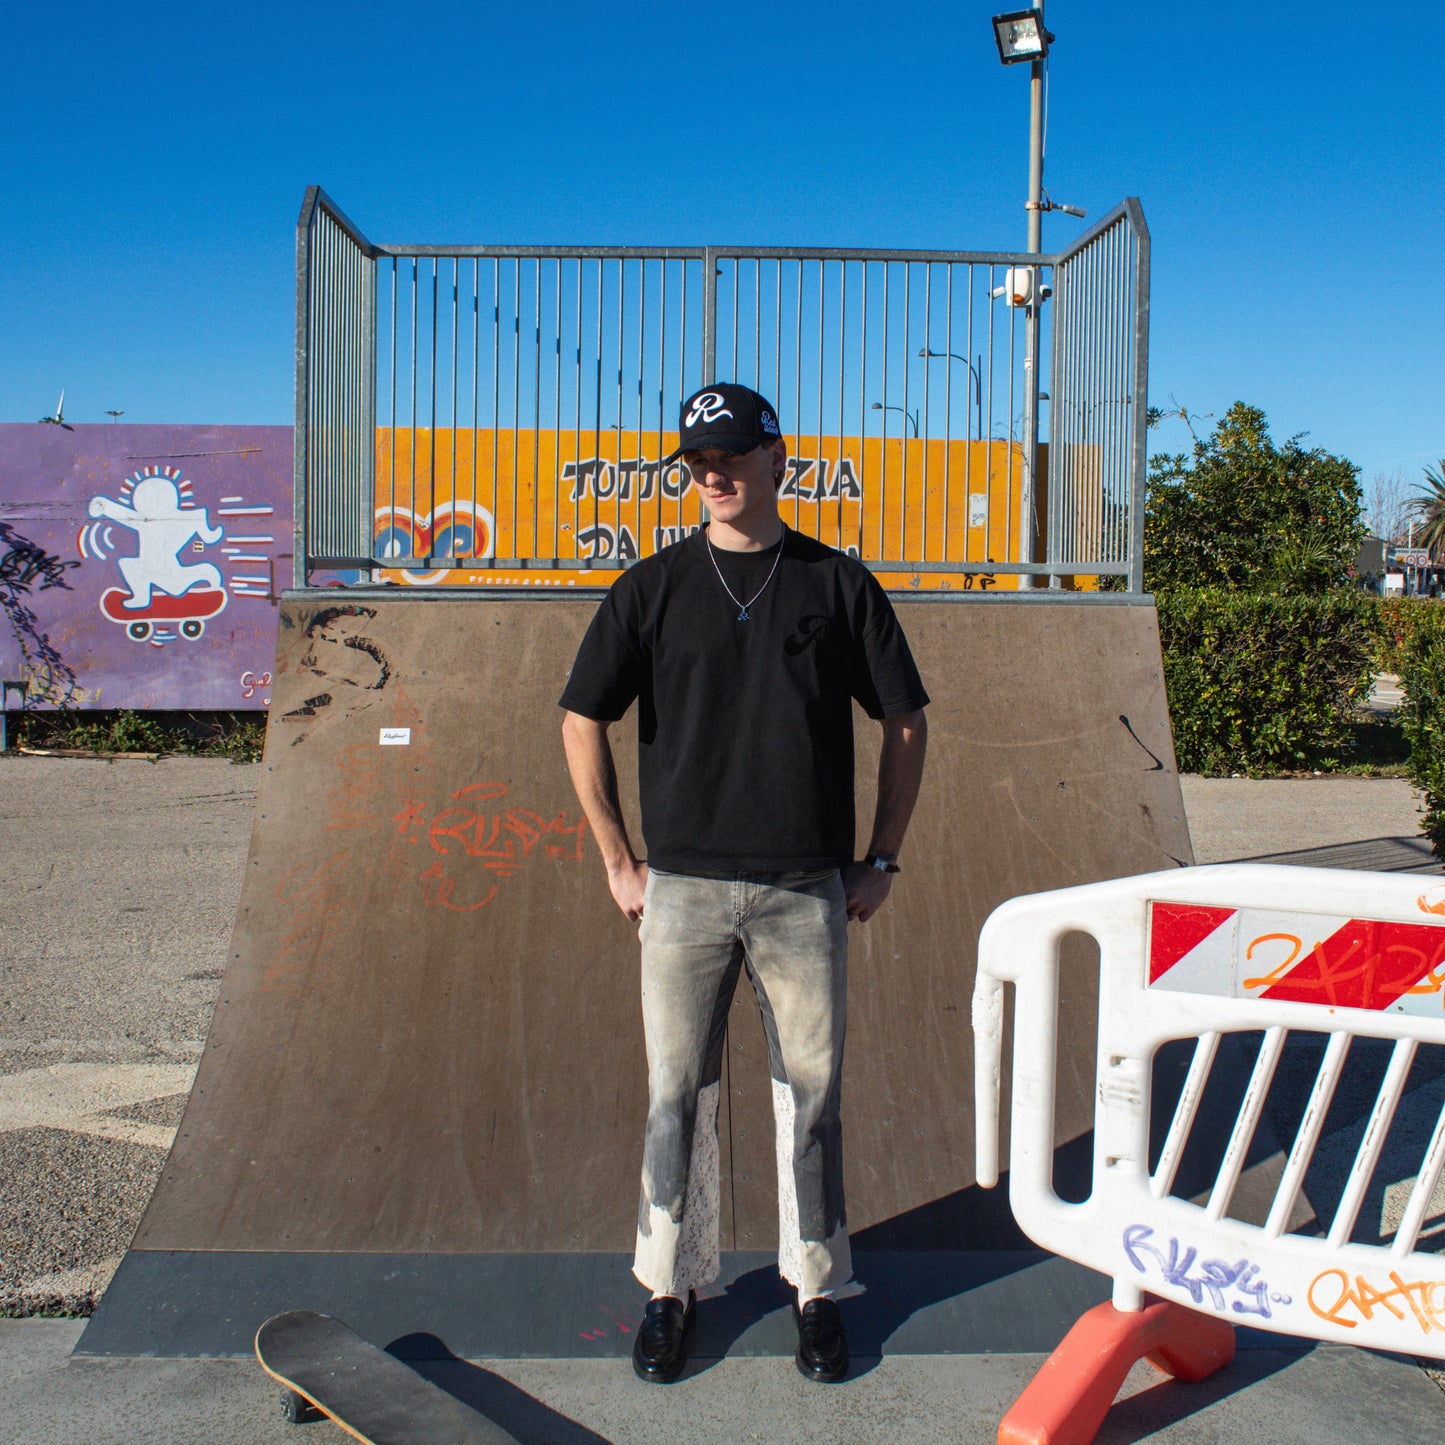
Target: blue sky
x,y
156,155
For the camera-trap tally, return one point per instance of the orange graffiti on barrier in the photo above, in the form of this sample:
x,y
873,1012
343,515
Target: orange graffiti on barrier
x,y
1425,1299
1364,965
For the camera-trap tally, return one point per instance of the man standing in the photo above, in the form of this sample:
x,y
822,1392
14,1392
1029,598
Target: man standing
x,y
744,647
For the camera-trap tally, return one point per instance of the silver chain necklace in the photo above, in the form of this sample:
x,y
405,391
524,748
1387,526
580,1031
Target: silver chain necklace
x,y
743,614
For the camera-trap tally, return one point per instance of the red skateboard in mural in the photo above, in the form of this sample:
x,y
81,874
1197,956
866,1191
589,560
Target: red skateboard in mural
x,y
190,610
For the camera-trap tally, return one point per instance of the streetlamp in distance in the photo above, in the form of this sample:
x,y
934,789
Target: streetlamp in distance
x,y
115,416
911,415
973,372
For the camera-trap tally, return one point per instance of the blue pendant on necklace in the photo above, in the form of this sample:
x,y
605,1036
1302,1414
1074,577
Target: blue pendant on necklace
x,y
744,616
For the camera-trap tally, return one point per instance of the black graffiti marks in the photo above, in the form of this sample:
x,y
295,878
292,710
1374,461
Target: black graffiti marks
x,y
1158,761
310,707
817,479
51,678
383,667
812,479
23,562
603,479
341,655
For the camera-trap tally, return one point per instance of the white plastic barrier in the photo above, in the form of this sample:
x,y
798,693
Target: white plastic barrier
x,y
1196,953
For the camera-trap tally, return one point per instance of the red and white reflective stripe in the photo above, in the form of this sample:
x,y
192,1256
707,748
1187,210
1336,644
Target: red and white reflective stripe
x,y
1312,958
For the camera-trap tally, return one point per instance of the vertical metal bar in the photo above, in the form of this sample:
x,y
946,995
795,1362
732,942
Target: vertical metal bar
x,y
1138,461
863,478
842,356
477,548
452,549
497,400
363,524
947,408
883,421
988,448
577,420
641,365
557,417
537,406
819,489
798,385
431,500
516,400
709,316
777,331
617,428
682,388
305,367
903,430
395,290
922,430
597,404
411,511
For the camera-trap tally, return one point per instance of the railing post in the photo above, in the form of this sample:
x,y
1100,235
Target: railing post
x,y
1139,469
709,314
303,383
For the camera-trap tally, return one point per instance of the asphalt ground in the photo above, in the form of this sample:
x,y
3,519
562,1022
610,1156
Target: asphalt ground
x,y
119,883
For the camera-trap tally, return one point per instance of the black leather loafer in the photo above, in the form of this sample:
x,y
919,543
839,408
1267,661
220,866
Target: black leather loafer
x,y
660,1350
822,1346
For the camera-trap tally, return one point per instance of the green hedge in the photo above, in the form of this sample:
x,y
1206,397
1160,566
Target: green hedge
x,y
1398,619
1258,683
1419,659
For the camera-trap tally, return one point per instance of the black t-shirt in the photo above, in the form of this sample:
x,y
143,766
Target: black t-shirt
x,y
745,729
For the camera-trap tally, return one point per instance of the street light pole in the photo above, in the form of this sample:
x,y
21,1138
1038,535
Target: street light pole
x,y
911,415
973,376
1035,207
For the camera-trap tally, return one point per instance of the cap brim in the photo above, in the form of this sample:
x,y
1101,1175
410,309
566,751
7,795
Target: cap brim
x,y
738,443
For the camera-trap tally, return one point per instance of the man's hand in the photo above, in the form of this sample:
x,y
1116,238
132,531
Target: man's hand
x,y
867,889
628,882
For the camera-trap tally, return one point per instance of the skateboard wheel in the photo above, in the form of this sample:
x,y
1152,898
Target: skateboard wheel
x,y
138,631
298,1409
192,628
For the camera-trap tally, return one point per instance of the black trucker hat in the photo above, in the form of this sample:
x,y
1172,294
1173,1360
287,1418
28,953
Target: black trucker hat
x,y
729,417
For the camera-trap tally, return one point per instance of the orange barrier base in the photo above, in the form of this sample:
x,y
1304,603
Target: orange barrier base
x,y
1067,1400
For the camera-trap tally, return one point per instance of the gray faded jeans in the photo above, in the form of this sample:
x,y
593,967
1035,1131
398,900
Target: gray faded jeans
x,y
790,932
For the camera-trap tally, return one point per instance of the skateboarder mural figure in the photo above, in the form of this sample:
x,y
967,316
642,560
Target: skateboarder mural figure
x,y
162,527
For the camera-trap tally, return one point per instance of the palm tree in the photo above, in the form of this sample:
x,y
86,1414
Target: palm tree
x,y
1429,506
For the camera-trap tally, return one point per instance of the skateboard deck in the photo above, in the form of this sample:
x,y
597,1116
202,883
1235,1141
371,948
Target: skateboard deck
x,y
325,1365
190,610
197,604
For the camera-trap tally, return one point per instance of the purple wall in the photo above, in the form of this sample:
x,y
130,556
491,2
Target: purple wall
x,y
140,566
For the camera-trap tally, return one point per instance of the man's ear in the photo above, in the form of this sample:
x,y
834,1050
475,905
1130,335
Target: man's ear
x,y
780,462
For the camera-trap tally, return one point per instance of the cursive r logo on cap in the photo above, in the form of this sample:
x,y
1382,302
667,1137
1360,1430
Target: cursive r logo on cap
x,y
708,406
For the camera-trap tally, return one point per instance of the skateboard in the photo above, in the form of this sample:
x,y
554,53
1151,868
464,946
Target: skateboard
x,y
327,1370
190,609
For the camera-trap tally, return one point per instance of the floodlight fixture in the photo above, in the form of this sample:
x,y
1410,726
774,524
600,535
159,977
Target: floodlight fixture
x,y
1020,35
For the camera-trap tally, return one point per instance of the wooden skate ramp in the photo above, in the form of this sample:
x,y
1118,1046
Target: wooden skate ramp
x,y
428,1038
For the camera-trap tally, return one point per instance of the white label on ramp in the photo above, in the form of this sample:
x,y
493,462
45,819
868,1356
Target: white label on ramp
x,y
396,737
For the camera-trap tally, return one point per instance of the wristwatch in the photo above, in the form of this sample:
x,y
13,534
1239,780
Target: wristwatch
x,y
882,863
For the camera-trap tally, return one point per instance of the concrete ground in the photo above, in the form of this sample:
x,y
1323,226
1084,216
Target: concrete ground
x,y
119,881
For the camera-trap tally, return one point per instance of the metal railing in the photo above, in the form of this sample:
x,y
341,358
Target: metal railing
x,y
335,388
496,415
1099,395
